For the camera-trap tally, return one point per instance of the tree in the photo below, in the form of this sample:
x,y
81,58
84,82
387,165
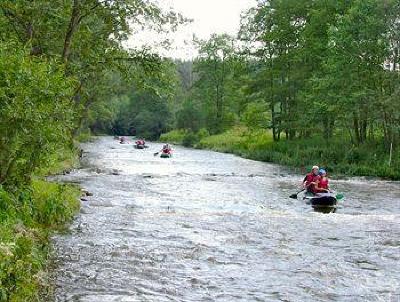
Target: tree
x,y
214,71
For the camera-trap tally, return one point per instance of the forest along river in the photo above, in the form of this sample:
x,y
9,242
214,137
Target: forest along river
x,y
206,226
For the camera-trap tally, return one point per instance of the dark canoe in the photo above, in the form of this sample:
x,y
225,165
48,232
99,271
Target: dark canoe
x,y
323,202
139,146
166,155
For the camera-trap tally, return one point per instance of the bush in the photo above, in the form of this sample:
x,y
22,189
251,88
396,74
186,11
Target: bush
x,y
203,133
190,139
36,115
174,136
26,220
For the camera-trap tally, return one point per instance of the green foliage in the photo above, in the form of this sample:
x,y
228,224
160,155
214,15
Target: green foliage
x,y
61,62
144,114
26,220
323,76
256,116
186,138
35,113
190,139
338,156
174,136
216,90
189,116
225,142
141,109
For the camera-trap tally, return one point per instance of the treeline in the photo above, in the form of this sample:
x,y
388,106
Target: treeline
x,y
319,76
59,61
317,67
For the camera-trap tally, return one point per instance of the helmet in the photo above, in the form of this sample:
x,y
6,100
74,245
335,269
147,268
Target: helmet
x,y
322,171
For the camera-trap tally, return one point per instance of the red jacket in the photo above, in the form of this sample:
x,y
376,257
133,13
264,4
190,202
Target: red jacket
x,y
323,184
311,177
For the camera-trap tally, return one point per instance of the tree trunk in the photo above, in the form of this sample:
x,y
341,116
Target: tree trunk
x,y
356,128
72,26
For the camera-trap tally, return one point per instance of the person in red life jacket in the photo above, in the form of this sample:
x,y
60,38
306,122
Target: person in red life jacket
x,y
322,183
140,142
310,180
166,149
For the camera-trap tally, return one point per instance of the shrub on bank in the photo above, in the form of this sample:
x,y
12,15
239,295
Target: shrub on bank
x,y
231,141
27,218
184,137
173,137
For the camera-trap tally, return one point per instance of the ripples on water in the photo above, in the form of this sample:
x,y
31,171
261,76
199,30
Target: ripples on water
x,y
206,226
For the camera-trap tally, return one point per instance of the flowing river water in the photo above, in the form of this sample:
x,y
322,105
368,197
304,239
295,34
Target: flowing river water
x,y
206,226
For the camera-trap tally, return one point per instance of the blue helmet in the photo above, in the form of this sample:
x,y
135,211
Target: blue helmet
x,y
322,171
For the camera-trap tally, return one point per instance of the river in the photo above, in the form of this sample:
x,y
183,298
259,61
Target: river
x,y
206,226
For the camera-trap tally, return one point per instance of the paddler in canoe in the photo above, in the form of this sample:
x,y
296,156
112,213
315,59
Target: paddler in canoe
x,y
140,144
310,180
166,151
123,140
316,182
318,193
322,182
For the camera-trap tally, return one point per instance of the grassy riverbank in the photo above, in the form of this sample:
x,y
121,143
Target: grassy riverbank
x,y
338,156
28,217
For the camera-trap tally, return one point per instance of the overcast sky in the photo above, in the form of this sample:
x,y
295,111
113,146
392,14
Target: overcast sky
x,y
209,16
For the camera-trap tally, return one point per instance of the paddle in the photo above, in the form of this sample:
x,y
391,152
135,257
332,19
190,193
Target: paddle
x,y
155,154
339,196
294,196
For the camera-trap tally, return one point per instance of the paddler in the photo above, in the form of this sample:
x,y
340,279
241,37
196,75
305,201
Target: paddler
x,y
310,180
166,149
322,183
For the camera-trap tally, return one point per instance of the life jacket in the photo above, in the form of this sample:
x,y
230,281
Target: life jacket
x,y
311,177
166,151
323,183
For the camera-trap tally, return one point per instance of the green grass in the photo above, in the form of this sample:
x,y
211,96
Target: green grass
x,y
27,220
337,155
28,216
63,160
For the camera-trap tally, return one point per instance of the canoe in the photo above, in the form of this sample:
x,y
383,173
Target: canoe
x,y
139,146
322,202
166,155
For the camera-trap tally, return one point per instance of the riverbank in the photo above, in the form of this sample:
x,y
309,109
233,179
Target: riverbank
x,y
28,218
337,155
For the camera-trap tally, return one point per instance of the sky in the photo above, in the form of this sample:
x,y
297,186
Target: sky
x,y
209,16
